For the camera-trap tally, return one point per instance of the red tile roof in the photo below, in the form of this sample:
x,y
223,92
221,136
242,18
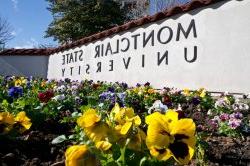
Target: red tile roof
x,y
132,24
29,52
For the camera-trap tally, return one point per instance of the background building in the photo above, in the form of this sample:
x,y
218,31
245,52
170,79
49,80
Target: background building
x,y
24,62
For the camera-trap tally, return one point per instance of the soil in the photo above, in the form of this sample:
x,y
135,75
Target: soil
x,y
35,149
228,151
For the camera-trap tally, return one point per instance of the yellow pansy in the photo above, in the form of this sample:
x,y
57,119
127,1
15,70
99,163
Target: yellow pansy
x,y
151,91
160,154
124,119
137,140
118,114
89,118
6,122
97,131
139,90
202,92
24,80
18,82
226,100
136,90
1,117
167,136
7,118
125,128
157,129
79,155
53,85
103,145
23,120
186,92
43,83
136,120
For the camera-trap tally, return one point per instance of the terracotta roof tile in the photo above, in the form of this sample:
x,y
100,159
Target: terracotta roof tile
x,y
30,52
132,24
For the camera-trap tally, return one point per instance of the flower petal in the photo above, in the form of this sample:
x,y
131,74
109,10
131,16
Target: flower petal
x,y
137,140
103,145
88,119
172,116
97,133
6,117
183,146
79,155
161,154
158,133
125,128
22,119
180,152
137,120
184,126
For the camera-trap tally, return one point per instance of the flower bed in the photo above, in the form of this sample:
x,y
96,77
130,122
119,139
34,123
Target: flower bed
x,y
48,122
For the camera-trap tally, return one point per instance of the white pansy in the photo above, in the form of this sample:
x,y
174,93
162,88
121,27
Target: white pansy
x,y
59,97
61,89
209,112
74,87
158,106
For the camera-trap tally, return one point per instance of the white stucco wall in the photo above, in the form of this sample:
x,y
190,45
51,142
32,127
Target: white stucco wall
x,y
223,53
31,65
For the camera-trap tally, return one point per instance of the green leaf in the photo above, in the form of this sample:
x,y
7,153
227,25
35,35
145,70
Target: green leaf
x,y
72,136
38,107
75,114
143,160
59,139
84,107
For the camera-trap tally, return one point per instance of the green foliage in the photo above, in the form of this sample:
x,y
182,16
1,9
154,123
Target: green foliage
x,y
224,129
60,103
201,145
141,98
59,139
74,19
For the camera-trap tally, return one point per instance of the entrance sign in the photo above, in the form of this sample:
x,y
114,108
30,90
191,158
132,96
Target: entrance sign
x,y
207,47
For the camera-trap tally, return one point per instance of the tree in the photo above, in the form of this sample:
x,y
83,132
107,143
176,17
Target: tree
x,y
139,9
5,31
74,19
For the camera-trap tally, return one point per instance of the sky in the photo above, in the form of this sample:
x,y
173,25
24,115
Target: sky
x,y
29,20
